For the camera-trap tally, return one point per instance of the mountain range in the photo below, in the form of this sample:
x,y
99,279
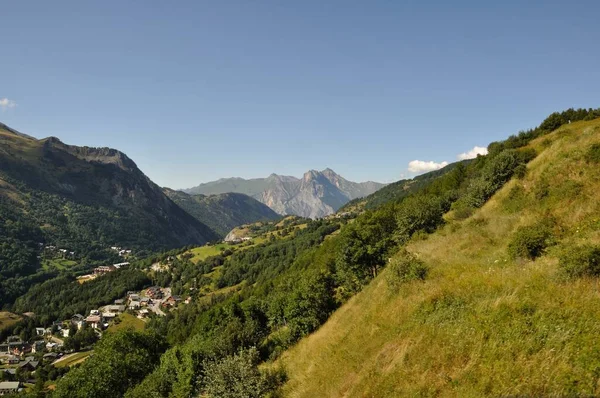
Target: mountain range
x,y
316,194
86,200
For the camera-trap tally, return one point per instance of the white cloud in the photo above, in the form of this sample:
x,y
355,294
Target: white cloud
x,y
472,154
421,166
5,103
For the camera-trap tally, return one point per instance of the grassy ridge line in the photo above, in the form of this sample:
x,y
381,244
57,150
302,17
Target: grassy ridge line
x,y
481,324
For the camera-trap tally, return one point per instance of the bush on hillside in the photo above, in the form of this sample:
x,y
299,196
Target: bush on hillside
x,y
405,267
593,153
552,122
494,175
520,171
531,241
581,261
238,376
541,189
516,199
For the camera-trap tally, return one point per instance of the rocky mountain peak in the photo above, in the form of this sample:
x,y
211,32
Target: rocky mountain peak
x,y
316,194
103,155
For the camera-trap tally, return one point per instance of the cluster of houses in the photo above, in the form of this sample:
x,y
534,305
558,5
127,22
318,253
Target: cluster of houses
x,y
235,239
14,346
17,357
97,319
122,252
103,269
53,249
154,296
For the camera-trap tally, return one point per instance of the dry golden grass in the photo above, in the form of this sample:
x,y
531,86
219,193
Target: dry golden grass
x,y
7,319
481,324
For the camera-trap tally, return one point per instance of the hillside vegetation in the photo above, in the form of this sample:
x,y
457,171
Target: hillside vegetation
x,y
222,212
443,289
82,200
501,301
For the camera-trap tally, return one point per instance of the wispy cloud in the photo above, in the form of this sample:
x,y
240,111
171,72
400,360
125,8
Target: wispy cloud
x,y
420,166
5,103
472,154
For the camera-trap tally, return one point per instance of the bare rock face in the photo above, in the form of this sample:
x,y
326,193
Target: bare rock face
x,y
317,194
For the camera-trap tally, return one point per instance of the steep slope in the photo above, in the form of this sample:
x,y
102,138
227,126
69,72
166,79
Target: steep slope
x,y
222,212
83,200
400,189
482,323
317,194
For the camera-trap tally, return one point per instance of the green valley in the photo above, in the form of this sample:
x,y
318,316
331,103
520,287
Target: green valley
x,y
469,281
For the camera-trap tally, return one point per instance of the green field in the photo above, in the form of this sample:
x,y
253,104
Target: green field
x,y
73,359
202,253
58,263
127,321
7,319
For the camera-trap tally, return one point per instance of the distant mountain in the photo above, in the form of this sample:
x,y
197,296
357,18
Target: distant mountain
x,y
82,199
316,194
222,212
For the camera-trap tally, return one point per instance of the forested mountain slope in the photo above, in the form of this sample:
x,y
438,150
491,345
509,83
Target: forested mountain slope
x,y
500,302
83,200
222,212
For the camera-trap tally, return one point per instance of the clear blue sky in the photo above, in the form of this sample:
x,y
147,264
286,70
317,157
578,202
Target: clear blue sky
x,y
194,90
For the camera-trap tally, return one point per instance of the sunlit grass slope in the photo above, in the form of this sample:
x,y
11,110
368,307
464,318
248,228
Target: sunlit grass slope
x,y
481,324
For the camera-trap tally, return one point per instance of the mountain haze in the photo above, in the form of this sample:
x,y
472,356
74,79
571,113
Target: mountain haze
x,y
222,212
316,194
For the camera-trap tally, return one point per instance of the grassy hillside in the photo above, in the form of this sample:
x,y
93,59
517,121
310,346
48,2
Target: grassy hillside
x,y
483,322
222,212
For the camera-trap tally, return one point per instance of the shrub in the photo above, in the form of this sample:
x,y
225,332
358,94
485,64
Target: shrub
x,y
405,267
238,376
593,154
581,261
546,142
567,190
541,190
520,171
515,200
462,210
530,242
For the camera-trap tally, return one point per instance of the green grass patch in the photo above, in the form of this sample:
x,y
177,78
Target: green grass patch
x,y
126,321
58,263
204,252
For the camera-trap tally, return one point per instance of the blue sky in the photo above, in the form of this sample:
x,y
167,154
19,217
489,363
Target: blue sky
x,y
194,91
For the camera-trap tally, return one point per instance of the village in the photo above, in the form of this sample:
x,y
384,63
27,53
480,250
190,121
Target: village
x,y
20,359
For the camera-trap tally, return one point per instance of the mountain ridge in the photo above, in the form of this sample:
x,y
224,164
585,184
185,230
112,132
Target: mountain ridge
x,y
316,194
222,212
